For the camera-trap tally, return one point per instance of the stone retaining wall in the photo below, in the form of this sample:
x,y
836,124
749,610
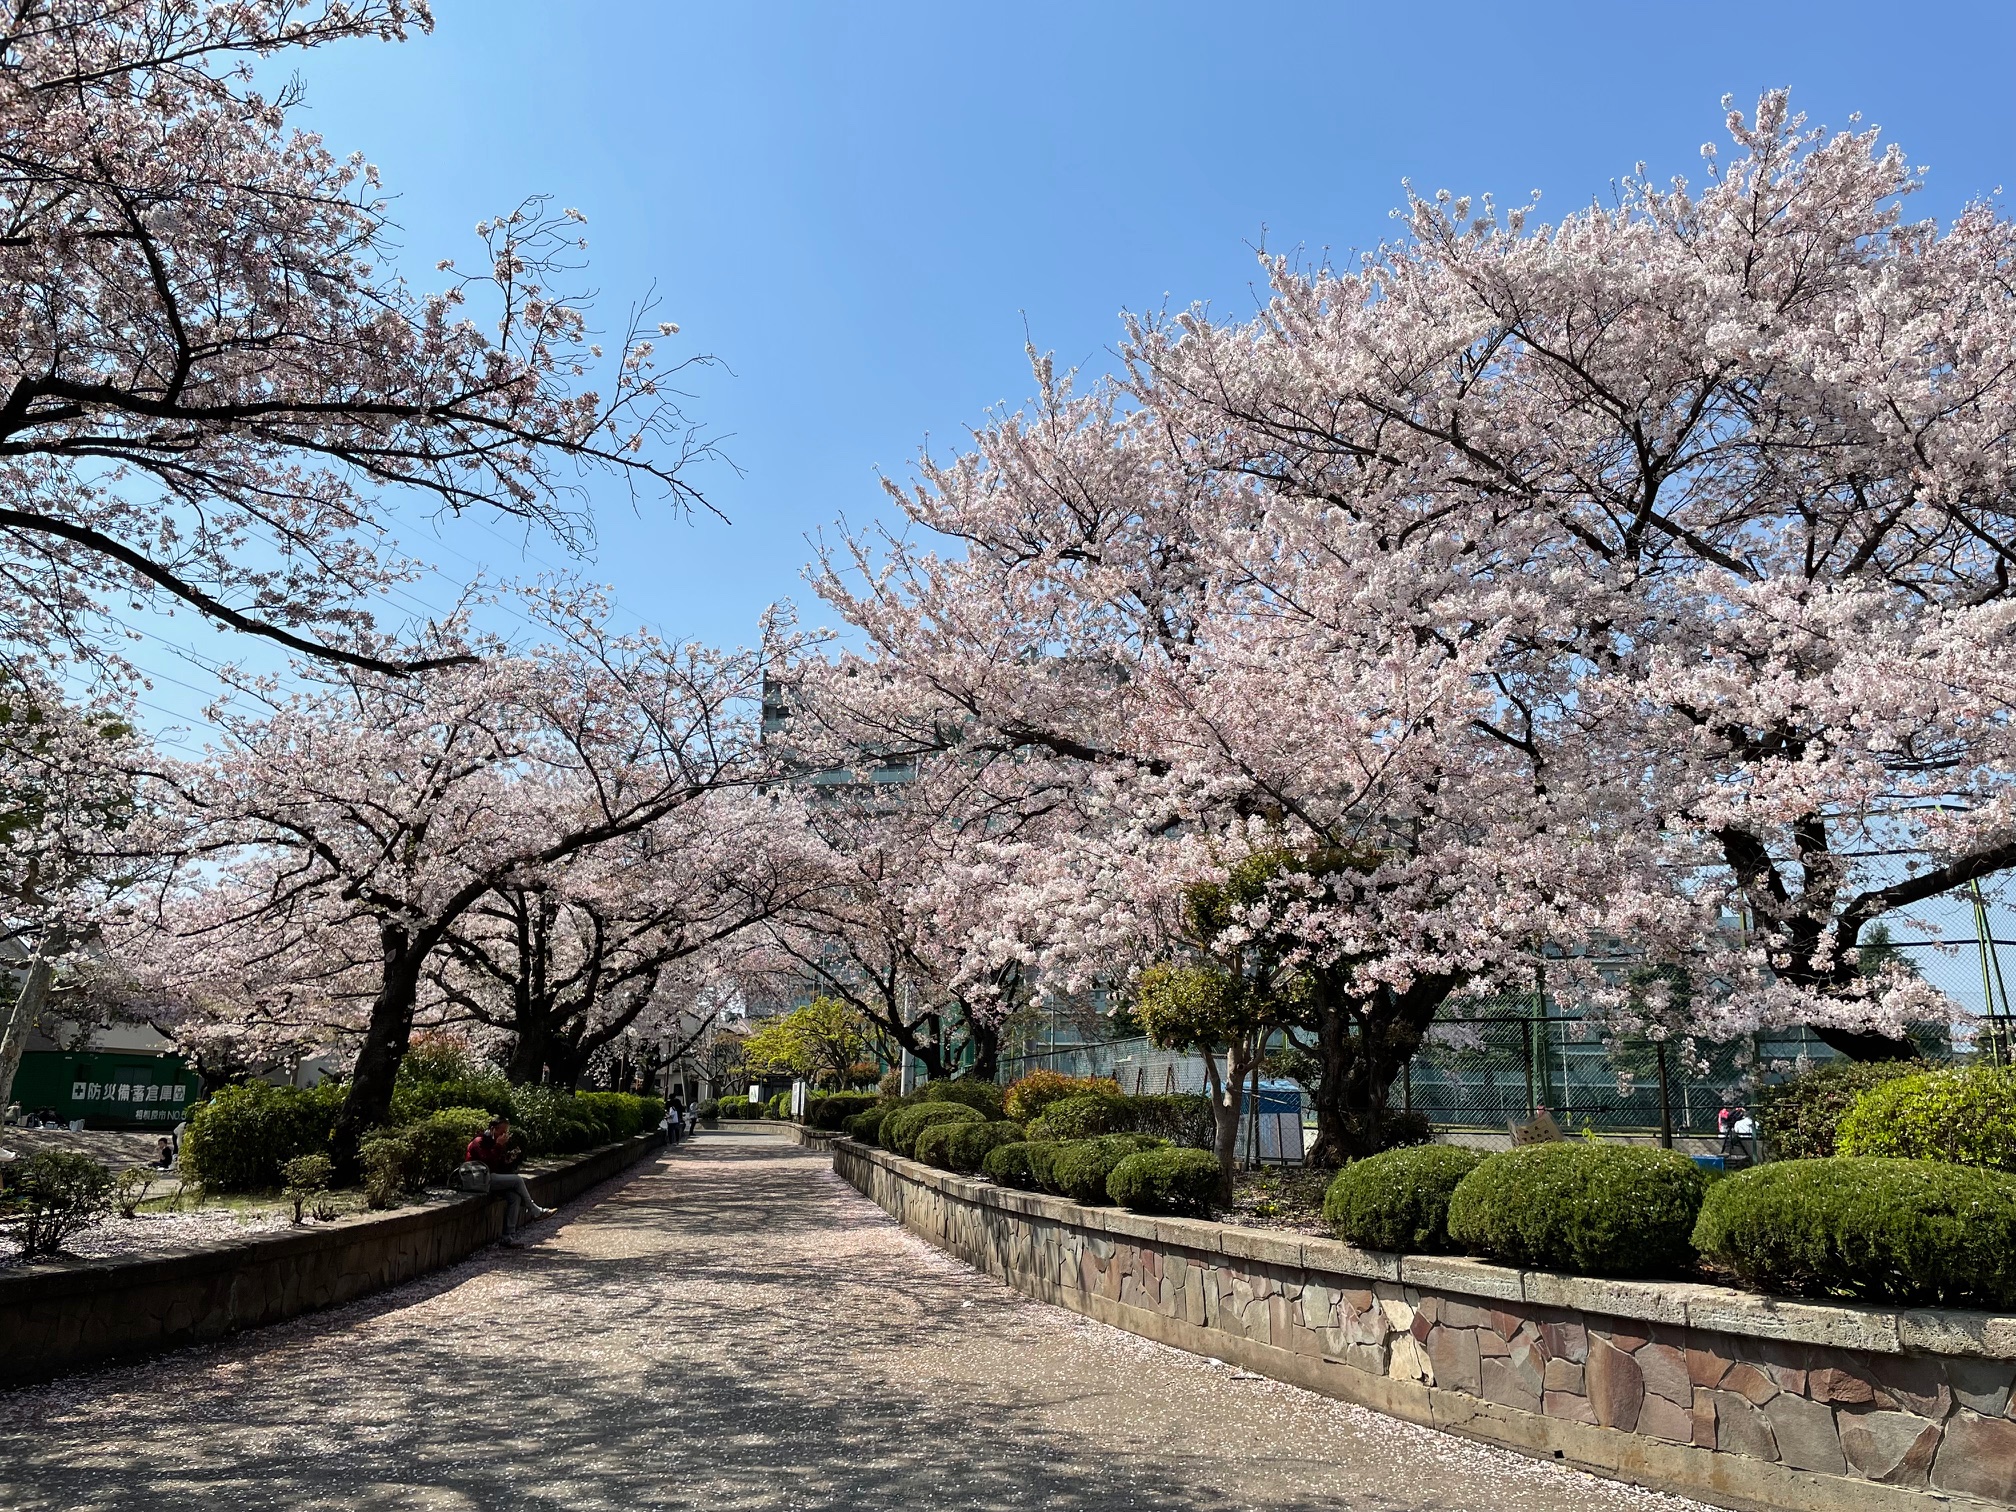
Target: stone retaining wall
x,y
1734,1398
68,1314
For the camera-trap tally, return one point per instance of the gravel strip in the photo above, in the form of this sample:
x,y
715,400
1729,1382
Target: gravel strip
x,y
732,1327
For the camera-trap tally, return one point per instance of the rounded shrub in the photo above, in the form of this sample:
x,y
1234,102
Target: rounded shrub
x,y
981,1096
1083,1166
1965,1117
1042,1157
440,1140
1399,1200
1176,1180
968,1145
1916,1232
1086,1116
867,1124
834,1111
1798,1117
1030,1095
934,1145
239,1138
1008,1165
900,1129
1591,1209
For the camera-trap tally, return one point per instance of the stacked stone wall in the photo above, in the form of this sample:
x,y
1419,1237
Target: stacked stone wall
x,y
1735,1398
68,1314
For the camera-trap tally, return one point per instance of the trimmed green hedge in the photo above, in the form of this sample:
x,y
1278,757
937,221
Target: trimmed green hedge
x,y
967,1146
1086,1116
1042,1157
1590,1209
981,1096
1082,1167
1029,1095
239,1137
1009,1165
866,1125
1168,1180
1915,1232
1965,1117
833,1110
900,1129
1399,1199
1798,1117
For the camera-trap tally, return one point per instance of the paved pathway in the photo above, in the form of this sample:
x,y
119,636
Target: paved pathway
x,y
733,1328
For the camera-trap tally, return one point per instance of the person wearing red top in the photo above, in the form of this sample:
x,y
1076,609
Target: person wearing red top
x,y
495,1149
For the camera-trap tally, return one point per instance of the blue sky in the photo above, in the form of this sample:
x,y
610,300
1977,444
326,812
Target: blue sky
x,y
857,207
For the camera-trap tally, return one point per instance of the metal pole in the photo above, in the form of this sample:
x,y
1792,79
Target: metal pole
x,y
1526,1039
1986,927
1987,986
1665,1102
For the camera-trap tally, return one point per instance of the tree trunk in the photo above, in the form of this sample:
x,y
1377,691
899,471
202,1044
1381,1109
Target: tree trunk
x,y
26,1008
1225,1111
527,1065
1362,1047
386,1037
986,1041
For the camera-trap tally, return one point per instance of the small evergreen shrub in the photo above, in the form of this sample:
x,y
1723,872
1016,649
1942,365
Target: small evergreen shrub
x,y
900,1129
833,1112
967,1145
438,1142
1798,1117
1085,1116
1042,1158
1008,1165
1399,1199
1590,1209
1964,1117
867,1124
1027,1097
1173,1180
1913,1232
553,1121
132,1187
1082,1167
52,1197
707,1108
981,1096
306,1176
239,1138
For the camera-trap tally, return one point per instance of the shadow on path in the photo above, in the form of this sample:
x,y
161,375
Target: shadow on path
x,y
732,1327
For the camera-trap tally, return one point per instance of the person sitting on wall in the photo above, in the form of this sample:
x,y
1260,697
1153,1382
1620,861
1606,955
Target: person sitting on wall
x,y
495,1149
164,1153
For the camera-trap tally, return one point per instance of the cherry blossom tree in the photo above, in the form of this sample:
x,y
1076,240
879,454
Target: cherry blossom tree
x,y
396,805
210,375
1639,581
1748,445
562,964
74,835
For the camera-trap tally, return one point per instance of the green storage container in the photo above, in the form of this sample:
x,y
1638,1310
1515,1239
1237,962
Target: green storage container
x,y
108,1089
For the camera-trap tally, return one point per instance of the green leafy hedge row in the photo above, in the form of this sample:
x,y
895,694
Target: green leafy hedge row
x,y
240,1137
1916,1232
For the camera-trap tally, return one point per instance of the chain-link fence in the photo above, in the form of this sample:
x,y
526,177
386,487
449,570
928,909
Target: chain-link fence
x,y
1490,1063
